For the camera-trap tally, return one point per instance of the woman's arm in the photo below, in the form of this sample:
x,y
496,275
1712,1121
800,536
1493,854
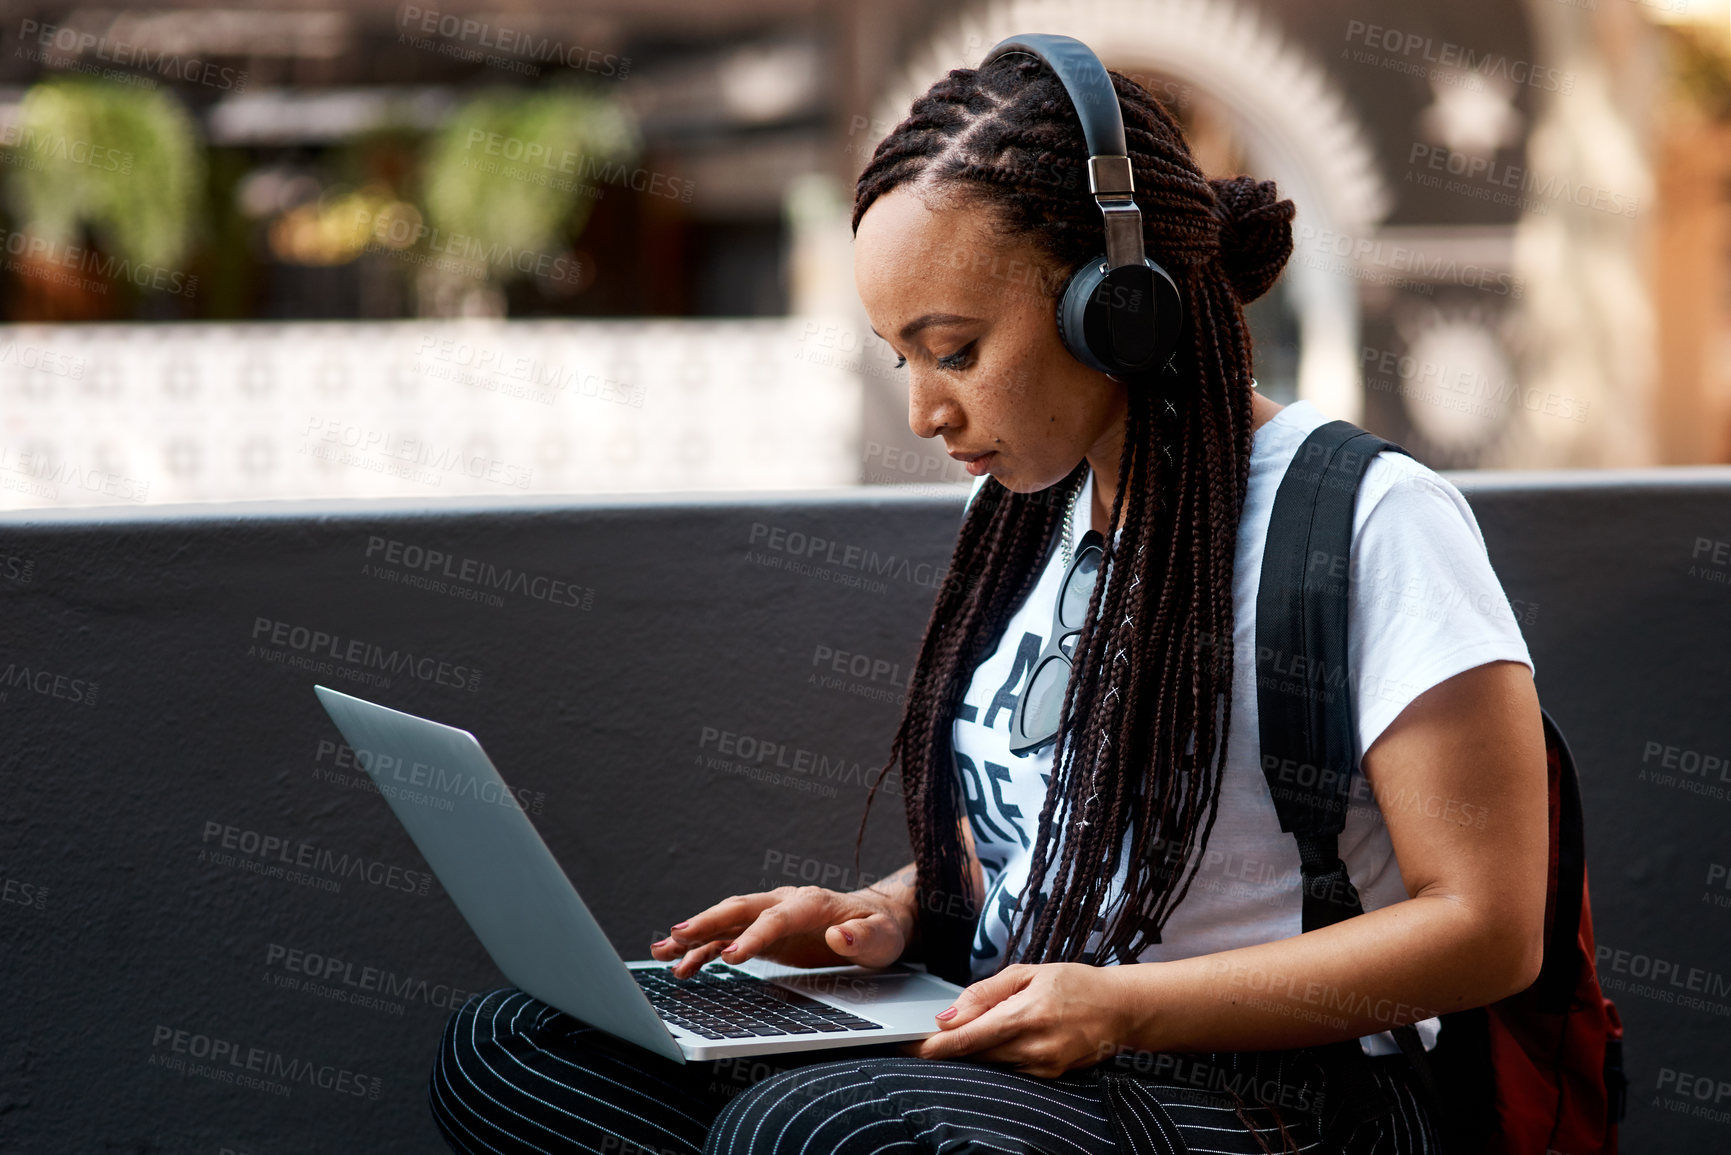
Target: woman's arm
x,y
1461,781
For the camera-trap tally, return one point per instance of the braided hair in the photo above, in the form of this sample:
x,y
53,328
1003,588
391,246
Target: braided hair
x,y
1152,671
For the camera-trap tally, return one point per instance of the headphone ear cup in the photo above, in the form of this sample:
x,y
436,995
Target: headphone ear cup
x,y
1168,318
1073,318
1124,321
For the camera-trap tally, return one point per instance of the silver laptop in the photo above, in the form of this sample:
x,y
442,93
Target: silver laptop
x,y
507,885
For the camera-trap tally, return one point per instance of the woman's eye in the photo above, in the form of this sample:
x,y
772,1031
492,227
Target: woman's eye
x,y
960,359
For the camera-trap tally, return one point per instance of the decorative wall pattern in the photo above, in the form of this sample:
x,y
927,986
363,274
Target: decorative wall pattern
x,y
114,414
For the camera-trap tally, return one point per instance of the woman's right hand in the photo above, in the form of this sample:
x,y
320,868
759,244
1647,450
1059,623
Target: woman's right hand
x,y
800,926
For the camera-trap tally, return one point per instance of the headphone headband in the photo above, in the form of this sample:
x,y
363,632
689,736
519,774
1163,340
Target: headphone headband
x,y
1121,313
1096,102
1084,78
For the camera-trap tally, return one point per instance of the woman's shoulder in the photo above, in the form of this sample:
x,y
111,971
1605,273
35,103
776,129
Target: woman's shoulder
x,y
1392,476
1425,600
1405,505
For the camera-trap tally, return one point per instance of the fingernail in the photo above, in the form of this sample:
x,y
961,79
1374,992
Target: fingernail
x,y
730,948
682,925
660,942
847,936
947,1012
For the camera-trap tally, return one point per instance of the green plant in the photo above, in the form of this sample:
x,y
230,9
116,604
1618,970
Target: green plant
x,y
121,160
1702,68
520,170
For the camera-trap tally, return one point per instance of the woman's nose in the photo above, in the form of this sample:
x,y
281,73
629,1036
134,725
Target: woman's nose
x,y
930,407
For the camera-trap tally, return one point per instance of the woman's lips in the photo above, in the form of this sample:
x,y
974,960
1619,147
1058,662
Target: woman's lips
x,y
978,465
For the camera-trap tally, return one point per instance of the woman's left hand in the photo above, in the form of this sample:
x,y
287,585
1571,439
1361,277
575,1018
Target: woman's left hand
x,y
1045,1018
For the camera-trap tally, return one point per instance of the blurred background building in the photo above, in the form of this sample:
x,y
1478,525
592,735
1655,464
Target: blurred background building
x,y
410,249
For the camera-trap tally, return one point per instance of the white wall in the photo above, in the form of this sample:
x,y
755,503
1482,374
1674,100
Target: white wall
x,y
111,414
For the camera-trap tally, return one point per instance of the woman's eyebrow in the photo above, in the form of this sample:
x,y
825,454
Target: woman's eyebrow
x,y
927,321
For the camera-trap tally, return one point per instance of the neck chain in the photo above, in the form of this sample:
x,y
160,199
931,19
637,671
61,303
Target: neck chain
x,y
1069,519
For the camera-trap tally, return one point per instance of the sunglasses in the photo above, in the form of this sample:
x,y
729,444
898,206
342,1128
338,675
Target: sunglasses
x,y
1035,721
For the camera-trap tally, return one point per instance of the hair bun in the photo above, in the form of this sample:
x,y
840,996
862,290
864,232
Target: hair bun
x,y
1255,233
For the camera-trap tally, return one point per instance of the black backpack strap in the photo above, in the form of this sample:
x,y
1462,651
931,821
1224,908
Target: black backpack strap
x,y
1560,973
1307,721
1303,696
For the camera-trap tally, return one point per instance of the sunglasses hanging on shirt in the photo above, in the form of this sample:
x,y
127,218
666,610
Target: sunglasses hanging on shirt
x,y
1035,719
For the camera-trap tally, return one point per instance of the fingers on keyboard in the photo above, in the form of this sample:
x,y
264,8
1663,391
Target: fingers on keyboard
x,y
726,1003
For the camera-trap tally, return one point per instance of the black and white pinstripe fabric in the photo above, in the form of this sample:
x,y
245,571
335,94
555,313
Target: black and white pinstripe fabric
x,y
514,1075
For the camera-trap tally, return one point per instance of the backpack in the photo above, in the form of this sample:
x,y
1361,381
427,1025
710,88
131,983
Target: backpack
x,y
1539,1071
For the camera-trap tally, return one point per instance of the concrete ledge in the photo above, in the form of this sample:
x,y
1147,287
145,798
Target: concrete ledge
x,y
673,708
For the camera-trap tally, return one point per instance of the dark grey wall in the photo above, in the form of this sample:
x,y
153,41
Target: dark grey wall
x,y
685,736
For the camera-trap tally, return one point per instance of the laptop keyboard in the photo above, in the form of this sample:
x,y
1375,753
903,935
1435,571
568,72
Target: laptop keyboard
x,y
723,1002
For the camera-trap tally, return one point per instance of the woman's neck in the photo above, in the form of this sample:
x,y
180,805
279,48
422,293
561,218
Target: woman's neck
x,y
1104,461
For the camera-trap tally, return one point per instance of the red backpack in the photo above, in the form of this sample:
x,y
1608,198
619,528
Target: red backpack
x,y
1539,1072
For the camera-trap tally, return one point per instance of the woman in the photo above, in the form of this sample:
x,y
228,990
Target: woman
x,y
1132,865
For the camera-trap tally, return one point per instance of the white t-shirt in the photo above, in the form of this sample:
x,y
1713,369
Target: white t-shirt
x,y
1425,605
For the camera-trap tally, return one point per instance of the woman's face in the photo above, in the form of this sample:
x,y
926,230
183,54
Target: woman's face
x,y
970,313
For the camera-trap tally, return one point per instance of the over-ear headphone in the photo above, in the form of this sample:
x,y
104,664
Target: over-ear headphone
x,y
1120,313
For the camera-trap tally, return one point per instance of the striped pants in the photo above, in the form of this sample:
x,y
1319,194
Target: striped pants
x,y
515,1075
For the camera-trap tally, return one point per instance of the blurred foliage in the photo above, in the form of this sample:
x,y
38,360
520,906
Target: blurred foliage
x,y
226,254
121,160
1702,68
339,226
124,168
521,169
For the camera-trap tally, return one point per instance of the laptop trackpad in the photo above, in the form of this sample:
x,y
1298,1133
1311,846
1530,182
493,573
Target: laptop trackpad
x,y
864,989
